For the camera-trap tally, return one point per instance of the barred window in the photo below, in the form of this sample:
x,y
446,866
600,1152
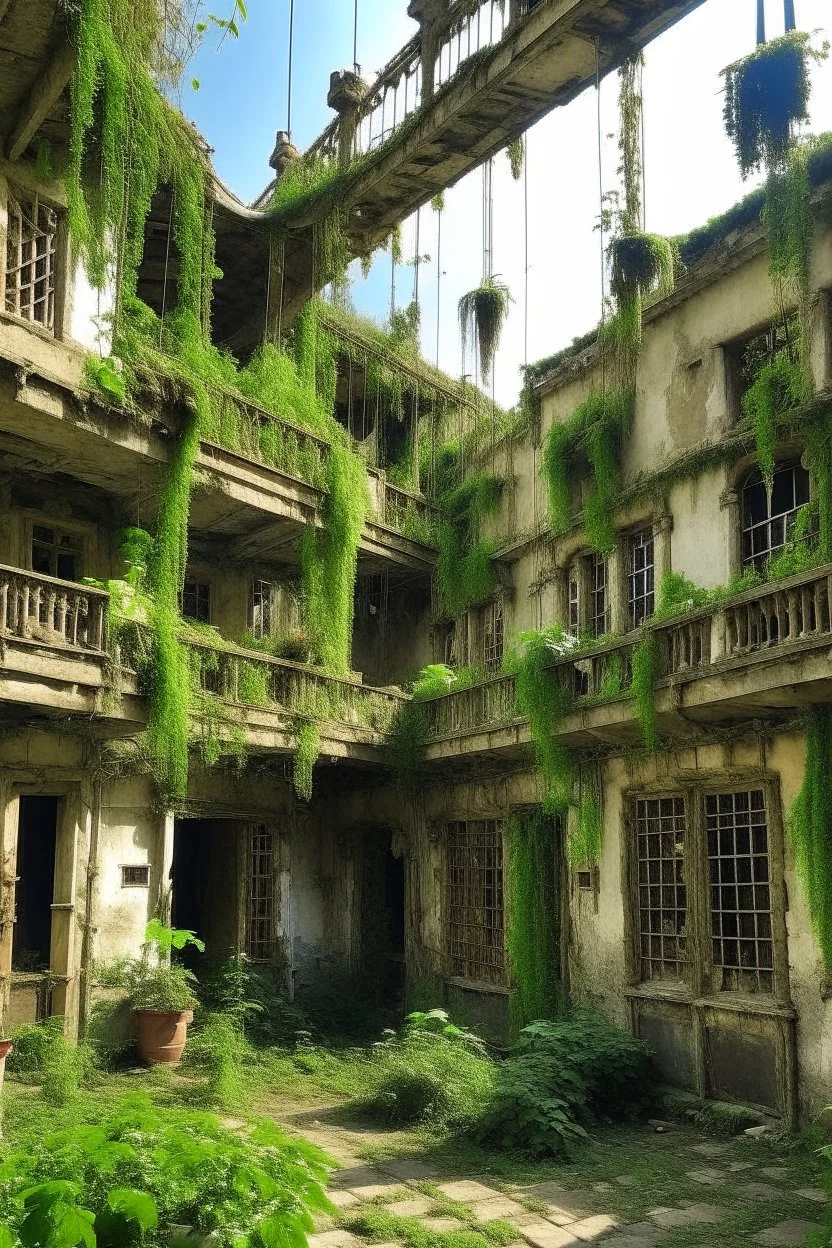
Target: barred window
x,y
640,577
260,915
260,609
30,260
475,919
574,600
740,890
662,888
492,640
597,595
767,523
196,601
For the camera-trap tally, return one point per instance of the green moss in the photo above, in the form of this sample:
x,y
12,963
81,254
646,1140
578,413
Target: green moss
x,y
534,916
588,830
810,828
307,752
464,573
545,701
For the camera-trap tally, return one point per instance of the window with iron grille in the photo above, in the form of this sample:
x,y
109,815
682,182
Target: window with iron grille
x,y
492,640
30,260
597,595
56,553
767,523
260,609
260,917
640,577
371,596
740,890
475,921
196,601
662,887
135,877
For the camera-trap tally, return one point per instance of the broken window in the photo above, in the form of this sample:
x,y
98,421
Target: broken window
x,y
56,553
662,888
597,595
196,601
768,521
260,609
475,919
640,577
30,260
740,890
260,912
492,637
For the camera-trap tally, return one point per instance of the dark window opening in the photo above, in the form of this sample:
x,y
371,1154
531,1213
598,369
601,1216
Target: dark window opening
x,y
260,609
55,553
260,908
767,524
31,236
196,601
135,877
158,274
37,833
206,888
493,637
640,578
779,341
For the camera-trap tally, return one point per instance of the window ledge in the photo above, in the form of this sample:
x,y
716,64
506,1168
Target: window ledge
x,y
476,985
738,1003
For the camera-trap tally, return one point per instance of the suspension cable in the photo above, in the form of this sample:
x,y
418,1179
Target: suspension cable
x,y
791,19
355,40
761,22
601,197
526,246
291,59
438,279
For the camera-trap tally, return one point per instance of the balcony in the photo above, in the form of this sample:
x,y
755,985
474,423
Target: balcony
x,y
762,654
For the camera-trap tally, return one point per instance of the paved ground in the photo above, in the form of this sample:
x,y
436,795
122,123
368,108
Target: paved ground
x,y
632,1188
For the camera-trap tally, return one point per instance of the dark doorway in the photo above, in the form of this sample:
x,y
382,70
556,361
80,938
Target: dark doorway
x,y
37,832
383,920
205,884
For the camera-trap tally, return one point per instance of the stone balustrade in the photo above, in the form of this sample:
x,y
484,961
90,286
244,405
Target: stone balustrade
x,y
52,612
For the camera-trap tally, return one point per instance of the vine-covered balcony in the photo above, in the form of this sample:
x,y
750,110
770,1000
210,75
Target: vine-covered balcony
x,y
763,651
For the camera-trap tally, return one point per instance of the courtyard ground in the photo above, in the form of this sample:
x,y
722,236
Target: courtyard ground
x,y
630,1188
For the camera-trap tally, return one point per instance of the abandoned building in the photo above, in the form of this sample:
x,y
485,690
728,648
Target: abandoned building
x,y
295,835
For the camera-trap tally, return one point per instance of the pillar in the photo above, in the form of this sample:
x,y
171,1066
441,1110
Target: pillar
x,y
432,17
347,92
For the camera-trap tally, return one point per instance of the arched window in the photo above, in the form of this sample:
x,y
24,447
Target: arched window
x,y
767,523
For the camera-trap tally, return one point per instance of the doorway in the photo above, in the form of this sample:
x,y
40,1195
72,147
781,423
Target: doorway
x,y
205,885
37,834
383,897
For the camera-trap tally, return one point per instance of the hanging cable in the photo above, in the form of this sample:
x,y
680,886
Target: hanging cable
x,y
526,262
418,257
355,40
438,278
291,60
643,148
791,19
601,197
761,22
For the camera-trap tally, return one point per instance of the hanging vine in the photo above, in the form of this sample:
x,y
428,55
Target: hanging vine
x,y
810,828
482,316
534,916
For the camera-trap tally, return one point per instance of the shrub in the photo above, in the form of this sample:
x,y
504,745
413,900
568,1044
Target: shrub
x,y
32,1046
141,1173
431,1072
43,1055
218,1049
562,1077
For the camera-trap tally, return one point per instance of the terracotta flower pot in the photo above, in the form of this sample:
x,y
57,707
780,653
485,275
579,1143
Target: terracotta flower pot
x,y
6,1047
161,1034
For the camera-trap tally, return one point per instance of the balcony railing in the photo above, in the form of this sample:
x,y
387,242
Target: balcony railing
x,y
766,619
249,679
52,612
410,514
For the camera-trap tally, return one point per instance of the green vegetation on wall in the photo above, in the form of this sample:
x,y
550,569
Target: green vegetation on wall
x,y
534,916
643,689
465,573
545,701
810,828
307,752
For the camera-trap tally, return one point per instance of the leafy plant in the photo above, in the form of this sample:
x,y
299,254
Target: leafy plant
x,y
306,755
534,916
141,1174
464,572
810,828
516,152
779,386
544,699
482,315
158,984
641,264
645,660
560,1078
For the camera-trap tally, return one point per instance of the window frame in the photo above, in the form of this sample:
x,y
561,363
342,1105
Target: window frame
x,y
59,529
261,950
264,628
200,584
646,531
21,194
493,636
747,483
705,980
582,591
459,957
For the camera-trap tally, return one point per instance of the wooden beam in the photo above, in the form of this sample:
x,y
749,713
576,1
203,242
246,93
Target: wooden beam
x,y
43,97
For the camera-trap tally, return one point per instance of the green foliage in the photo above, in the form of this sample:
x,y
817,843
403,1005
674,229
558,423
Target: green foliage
x,y
810,828
482,315
32,1046
645,662
561,1078
430,1072
379,1226
103,375
641,264
142,1173
778,387
766,96
329,559
152,981
677,594
545,701
217,1049
516,152
534,916
464,572
586,840
592,435
307,751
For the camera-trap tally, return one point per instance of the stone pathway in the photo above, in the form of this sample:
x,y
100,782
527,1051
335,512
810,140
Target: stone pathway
x,y
632,1189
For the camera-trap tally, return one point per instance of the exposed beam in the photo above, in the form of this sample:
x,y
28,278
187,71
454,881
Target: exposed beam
x,y
43,97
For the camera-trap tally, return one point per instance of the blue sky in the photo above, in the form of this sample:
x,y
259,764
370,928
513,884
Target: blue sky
x,y
690,167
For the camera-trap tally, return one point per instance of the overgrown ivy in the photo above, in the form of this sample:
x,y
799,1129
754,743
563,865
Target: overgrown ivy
x,y
543,698
534,913
810,828
465,573
307,752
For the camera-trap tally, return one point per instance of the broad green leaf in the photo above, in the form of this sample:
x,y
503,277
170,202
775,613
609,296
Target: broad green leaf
x,y
233,29
138,1207
196,84
241,6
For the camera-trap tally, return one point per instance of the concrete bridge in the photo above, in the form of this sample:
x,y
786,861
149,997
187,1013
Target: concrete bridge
x,y
477,76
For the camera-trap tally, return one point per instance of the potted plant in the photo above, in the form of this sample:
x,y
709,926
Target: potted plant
x,y
162,994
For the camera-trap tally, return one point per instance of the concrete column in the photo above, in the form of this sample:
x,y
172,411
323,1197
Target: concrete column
x,y
347,92
431,16
164,904
730,501
4,229
617,587
73,825
820,345
9,814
